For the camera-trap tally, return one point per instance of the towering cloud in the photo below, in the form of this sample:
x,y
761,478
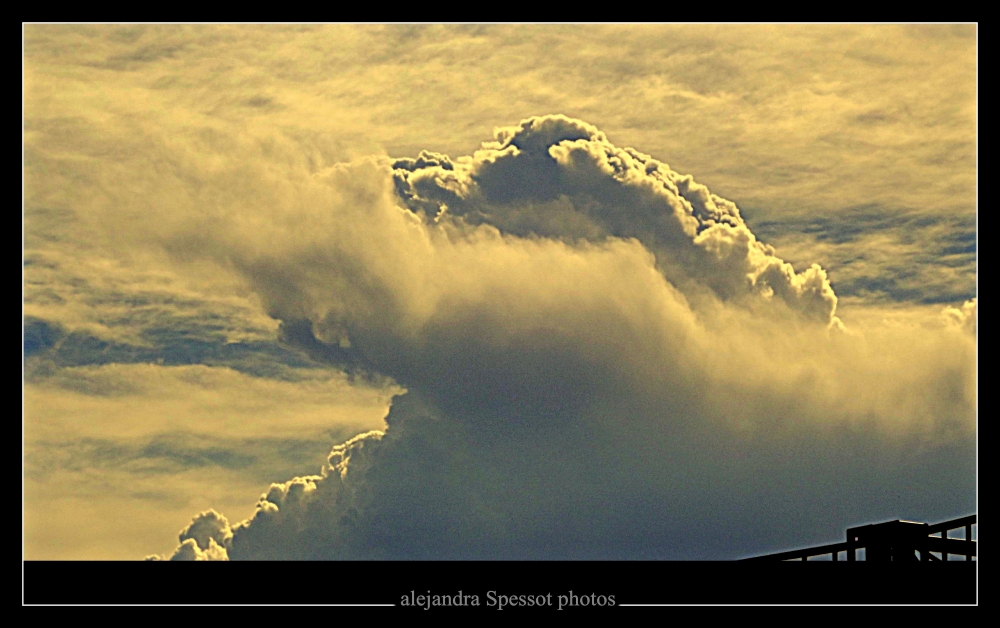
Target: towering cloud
x,y
556,177
601,359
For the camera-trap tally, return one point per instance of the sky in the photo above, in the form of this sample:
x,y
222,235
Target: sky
x,y
494,292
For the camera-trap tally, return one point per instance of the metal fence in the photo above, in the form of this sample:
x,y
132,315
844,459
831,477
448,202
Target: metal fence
x,y
897,540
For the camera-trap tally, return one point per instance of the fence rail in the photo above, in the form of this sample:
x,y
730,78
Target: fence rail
x,y
896,540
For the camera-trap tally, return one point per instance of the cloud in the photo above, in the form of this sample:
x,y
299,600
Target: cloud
x,y
562,178
117,456
601,359
210,533
181,184
880,254
204,539
964,317
804,121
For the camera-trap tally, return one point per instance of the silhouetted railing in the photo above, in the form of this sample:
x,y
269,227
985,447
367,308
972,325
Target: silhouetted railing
x,y
894,541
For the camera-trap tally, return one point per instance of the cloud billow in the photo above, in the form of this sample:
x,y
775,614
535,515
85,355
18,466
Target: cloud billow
x,y
561,178
601,359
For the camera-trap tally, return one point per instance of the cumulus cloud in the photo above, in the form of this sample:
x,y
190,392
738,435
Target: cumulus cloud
x,y
204,539
962,317
118,456
601,360
561,178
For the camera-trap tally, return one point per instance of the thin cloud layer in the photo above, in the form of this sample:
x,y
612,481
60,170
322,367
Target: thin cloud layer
x,y
601,359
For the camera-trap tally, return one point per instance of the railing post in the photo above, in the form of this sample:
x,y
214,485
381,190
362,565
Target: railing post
x,y
968,538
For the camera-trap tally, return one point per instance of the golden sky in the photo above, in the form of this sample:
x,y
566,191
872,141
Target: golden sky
x,y
627,282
